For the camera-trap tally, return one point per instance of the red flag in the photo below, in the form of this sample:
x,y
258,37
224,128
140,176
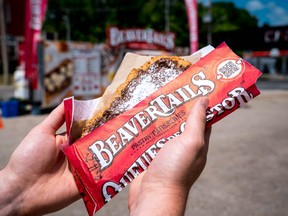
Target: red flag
x,y
35,13
191,9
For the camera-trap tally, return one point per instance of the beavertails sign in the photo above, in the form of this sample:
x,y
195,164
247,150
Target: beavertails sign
x,y
111,156
136,38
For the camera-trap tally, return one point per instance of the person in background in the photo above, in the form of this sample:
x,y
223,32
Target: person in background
x,y
37,179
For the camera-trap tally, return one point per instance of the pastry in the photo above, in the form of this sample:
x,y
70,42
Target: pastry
x,y
139,84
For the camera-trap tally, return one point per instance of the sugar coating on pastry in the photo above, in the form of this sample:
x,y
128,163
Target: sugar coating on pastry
x,y
139,84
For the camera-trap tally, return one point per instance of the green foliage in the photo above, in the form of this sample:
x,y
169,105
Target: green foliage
x,y
89,19
226,17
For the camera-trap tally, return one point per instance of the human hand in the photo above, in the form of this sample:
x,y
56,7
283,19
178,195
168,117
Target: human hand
x,y
163,188
37,179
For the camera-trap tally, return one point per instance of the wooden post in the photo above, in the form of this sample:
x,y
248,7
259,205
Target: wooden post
x,y
3,45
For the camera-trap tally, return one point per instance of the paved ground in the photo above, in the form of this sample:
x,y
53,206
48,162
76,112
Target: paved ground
x,y
246,172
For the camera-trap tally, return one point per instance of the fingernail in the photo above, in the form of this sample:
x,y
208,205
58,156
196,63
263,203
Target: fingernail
x,y
205,102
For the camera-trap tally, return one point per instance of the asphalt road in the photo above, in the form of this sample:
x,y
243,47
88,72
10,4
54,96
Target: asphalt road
x,y
246,171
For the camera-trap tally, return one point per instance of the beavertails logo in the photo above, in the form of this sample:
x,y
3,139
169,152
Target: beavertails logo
x,y
141,38
229,69
102,152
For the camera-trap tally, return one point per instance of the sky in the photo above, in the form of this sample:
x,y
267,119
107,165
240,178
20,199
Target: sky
x,y
272,12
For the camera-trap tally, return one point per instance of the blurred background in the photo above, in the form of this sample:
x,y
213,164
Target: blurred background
x,y
53,49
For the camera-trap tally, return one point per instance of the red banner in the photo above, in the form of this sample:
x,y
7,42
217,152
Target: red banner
x,y
191,9
35,13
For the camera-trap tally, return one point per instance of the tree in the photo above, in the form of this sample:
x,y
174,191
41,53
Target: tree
x,y
89,19
226,17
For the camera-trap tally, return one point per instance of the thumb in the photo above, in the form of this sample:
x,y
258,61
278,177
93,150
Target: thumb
x,y
54,120
196,121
